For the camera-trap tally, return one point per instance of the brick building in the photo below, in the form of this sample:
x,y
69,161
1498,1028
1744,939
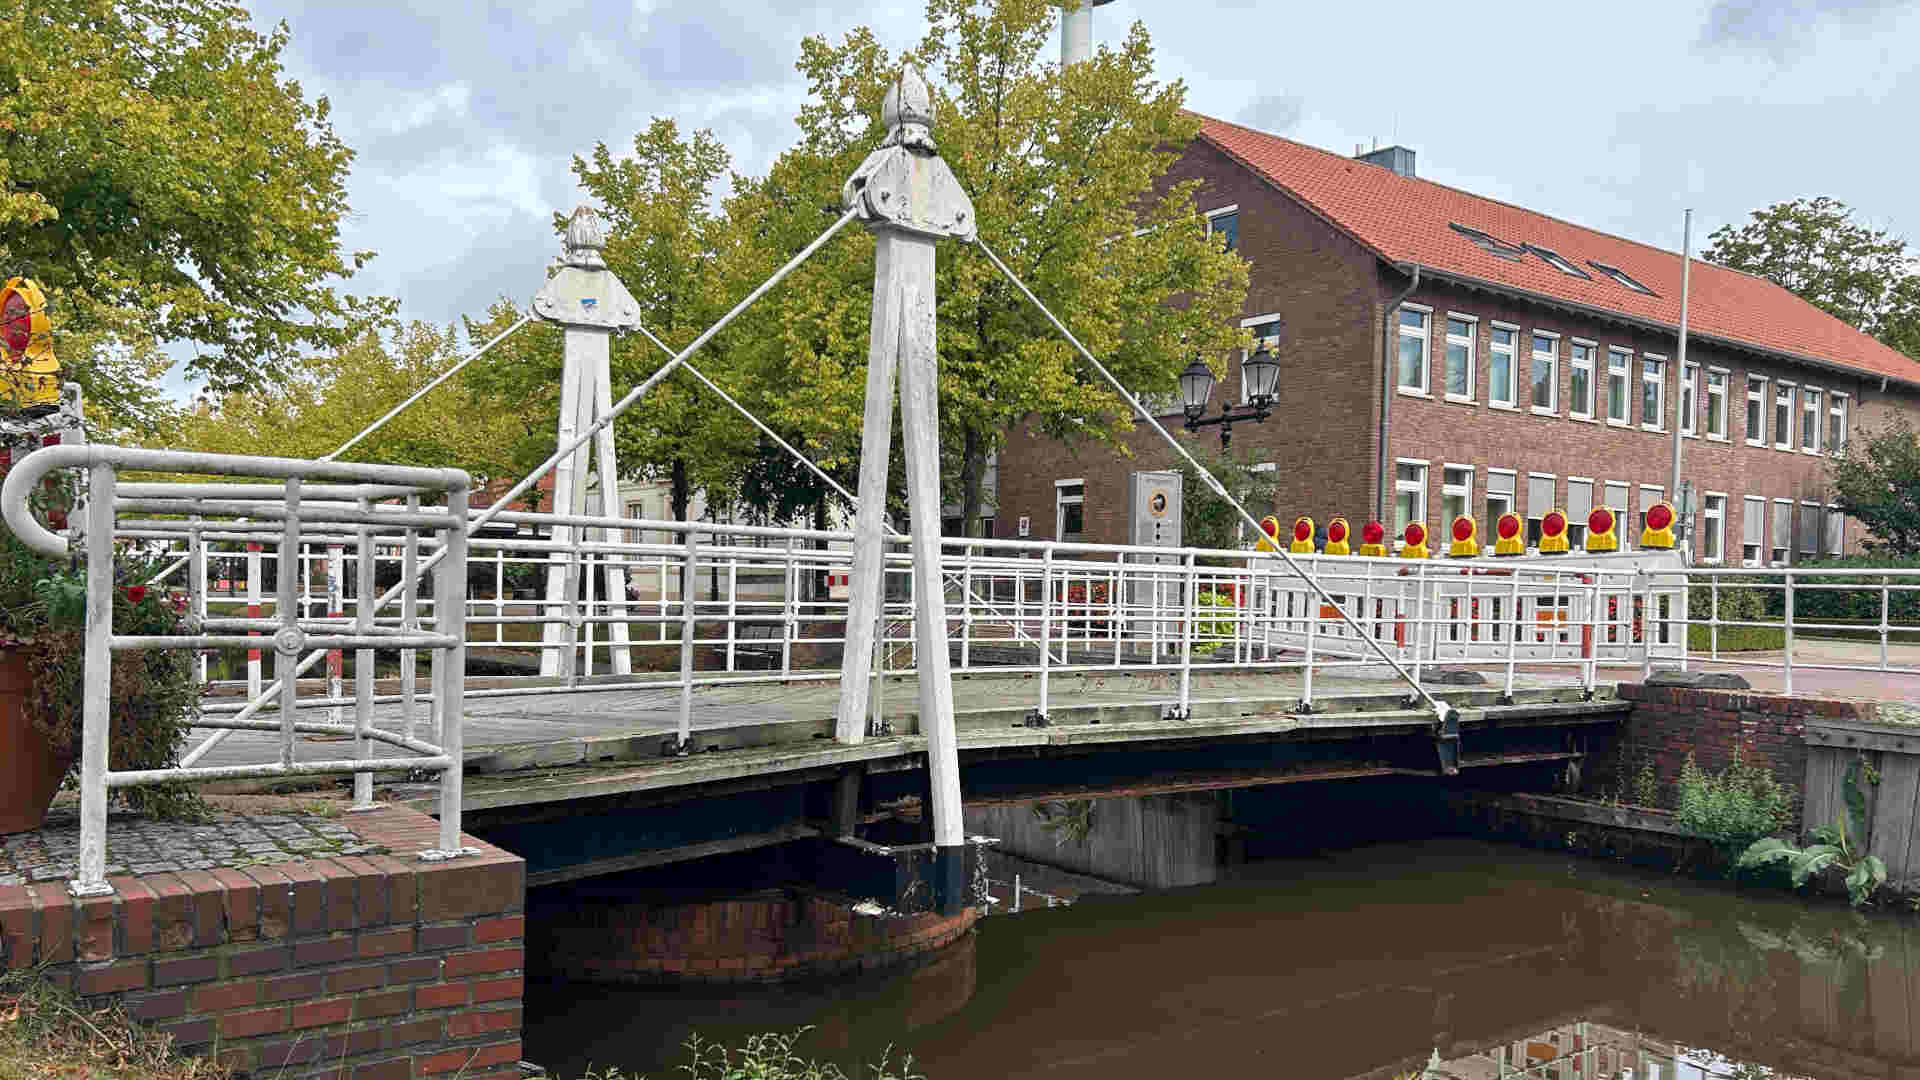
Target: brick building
x,y
1443,353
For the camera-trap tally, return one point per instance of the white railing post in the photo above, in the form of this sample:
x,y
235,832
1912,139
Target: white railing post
x,y
1046,626
733,606
253,612
1886,607
1419,616
96,694
1188,638
410,620
197,586
689,569
363,663
450,618
1789,628
1644,591
1512,629
336,611
1313,623
289,639
966,608
789,609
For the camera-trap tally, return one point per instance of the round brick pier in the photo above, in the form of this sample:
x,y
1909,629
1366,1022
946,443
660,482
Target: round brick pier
x,y
763,936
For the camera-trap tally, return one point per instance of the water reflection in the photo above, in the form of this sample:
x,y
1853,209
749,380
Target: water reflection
x,y
1364,963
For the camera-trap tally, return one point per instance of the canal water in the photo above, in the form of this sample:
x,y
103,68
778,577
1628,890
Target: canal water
x,y
1364,962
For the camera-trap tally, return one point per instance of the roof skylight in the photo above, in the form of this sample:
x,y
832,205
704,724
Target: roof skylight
x,y
1489,243
1552,258
1622,277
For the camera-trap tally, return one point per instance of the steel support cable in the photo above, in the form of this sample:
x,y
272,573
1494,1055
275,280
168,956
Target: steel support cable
x,y
1440,708
391,413
477,521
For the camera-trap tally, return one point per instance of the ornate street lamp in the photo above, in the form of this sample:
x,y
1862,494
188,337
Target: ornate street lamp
x,y
1260,372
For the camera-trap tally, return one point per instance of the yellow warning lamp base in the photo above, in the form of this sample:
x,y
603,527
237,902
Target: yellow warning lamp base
x,y
1302,536
29,374
1659,530
1416,543
1337,532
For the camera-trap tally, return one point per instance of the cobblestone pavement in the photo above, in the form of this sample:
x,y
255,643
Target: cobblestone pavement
x,y
137,845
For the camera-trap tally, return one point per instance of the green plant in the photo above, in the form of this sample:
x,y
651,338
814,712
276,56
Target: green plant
x,y
770,1056
1864,874
1209,633
153,693
1734,807
1069,822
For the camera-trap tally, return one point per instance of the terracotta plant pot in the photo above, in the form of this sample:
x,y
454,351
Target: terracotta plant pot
x,y
30,770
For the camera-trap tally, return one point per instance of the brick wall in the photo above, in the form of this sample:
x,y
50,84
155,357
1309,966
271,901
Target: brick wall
x,y
1667,723
764,937
380,967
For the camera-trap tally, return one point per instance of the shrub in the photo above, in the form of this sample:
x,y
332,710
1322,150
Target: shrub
x,y
1864,873
1734,807
1211,633
1863,603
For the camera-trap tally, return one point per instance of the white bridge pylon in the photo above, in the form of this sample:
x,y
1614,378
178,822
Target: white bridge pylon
x,y
588,301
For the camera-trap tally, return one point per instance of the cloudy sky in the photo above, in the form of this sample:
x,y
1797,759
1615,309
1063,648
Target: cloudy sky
x,y
1614,116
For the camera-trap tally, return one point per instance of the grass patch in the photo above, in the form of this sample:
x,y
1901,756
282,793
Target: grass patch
x,y
772,1056
48,1034
1736,638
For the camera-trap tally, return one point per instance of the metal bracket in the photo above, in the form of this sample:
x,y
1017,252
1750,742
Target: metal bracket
x,y
1305,708
876,728
441,855
1175,712
1036,719
1587,695
1446,740
78,890
1503,699
675,748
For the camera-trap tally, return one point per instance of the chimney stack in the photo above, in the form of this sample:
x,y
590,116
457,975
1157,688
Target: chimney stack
x,y
1395,159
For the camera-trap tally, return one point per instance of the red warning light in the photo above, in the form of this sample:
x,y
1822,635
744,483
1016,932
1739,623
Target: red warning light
x,y
1554,524
1462,529
1270,526
1416,534
1509,526
1600,521
1302,530
1659,516
1337,531
1372,533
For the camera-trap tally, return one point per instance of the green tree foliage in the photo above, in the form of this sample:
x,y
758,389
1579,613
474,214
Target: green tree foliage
x,y
165,182
459,423
1062,169
1206,519
1877,482
1815,249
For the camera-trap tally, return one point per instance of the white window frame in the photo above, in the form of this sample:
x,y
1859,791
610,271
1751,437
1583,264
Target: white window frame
x,y
1552,407
1783,393
1425,337
1689,399
1223,211
1417,486
1747,504
1625,374
1779,539
1836,522
1837,404
1538,513
1810,405
1249,323
1819,538
1726,377
1575,345
1512,353
1763,396
1659,380
1714,525
1470,341
1061,501
1447,491
1509,496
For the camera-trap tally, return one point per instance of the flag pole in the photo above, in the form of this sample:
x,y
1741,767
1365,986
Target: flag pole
x,y
1680,369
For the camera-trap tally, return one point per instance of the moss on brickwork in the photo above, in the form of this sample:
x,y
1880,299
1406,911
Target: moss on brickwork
x,y
48,1034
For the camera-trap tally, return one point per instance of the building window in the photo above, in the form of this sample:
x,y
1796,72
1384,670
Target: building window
x,y
1810,420
1713,532
1756,411
1753,528
1837,424
1619,364
1580,357
1413,349
1545,372
1810,528
1461,330
1490,243
1552,258
1500,365
1456,493
1225,224
1689,398
1069,509
1783,416
1622,277
1782,530
1409,495
1716,404
1579,508
1649,494
1266,333
1499,497
1653,392
1836,530
1539,501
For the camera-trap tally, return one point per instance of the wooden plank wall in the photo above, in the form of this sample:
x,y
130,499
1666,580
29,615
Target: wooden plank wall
x,y
1893,804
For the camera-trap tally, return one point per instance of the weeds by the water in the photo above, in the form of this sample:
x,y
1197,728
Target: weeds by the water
x,y
769,1056
1733,808
48,1034
1831,848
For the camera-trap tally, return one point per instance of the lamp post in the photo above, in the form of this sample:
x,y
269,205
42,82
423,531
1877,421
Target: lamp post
x,y
1260,373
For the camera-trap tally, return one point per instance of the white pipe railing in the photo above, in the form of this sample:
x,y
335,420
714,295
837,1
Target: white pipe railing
x,y
111,518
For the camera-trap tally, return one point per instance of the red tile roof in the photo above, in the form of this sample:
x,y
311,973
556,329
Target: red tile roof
x,y
1403,219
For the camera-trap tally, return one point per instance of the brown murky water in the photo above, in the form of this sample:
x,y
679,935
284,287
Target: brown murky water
x,y
1504,960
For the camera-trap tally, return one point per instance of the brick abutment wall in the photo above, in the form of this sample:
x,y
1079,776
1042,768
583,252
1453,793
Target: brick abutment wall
x,y
766,936
1669,722
378,967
